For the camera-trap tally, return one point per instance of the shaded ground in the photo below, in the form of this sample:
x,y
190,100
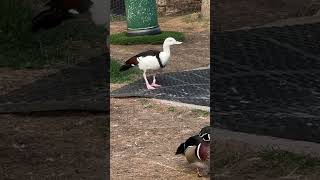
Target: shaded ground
x,y
56,146
81,87
265,77
233,14
13,79
235,160
144,141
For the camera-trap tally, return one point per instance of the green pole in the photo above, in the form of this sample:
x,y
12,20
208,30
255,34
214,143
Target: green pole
x,y
142,17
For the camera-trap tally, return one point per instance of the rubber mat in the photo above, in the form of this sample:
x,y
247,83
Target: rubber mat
x,y
267,81
81,87
192,87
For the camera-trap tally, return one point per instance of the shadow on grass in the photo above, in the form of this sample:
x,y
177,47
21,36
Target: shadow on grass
x,y
53,48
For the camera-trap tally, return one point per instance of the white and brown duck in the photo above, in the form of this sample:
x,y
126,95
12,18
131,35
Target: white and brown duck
x,y
151,60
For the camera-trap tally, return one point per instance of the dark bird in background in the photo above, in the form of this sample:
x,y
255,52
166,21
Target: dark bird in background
x,y
196,149
59,11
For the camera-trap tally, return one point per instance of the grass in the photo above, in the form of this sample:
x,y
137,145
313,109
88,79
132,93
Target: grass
x,y
200,113
123,39
172,109
146,103
300,162
60,46
120,77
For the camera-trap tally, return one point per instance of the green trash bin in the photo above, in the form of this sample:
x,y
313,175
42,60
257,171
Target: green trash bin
x,y
142,17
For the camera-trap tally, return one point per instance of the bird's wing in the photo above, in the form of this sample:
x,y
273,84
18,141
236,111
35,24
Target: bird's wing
x,y
134,59
148,53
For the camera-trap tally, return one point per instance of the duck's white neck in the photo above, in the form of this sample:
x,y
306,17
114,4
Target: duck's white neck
x,y
166,48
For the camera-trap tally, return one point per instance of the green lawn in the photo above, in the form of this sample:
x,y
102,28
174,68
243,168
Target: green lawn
x,y
60,46
123,39
125,76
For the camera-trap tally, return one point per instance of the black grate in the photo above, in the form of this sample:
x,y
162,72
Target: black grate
x,y
192,87
267,81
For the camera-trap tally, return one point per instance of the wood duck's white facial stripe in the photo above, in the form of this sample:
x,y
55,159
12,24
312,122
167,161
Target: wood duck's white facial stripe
x,y
205,137
198,151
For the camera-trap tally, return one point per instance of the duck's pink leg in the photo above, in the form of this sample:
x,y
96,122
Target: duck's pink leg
x,y
154,82
147,83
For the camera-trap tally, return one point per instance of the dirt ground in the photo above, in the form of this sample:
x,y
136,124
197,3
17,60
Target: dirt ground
x,y
56,146
144,140
149,135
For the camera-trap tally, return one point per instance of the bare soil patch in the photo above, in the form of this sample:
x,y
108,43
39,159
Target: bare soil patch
x,y
144,138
